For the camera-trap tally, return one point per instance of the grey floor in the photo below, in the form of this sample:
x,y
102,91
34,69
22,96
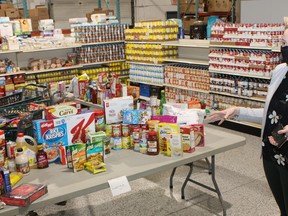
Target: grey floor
x,y
239,174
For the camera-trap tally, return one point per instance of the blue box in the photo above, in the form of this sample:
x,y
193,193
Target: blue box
x,y
145,90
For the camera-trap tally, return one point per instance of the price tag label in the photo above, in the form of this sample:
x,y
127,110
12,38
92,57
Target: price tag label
x,y
119,185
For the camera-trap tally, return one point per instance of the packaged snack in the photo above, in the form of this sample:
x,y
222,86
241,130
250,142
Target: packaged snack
x,y
95,146
136,116
62,110
163,130
199,134
165,118
24,194
78,156
175,145
95,166
187,138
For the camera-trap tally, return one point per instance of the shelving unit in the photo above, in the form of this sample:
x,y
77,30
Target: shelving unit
x,y
144,63
186,88
146,83
188,61
238,96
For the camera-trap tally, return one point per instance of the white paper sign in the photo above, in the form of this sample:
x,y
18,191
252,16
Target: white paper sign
x,y
119,185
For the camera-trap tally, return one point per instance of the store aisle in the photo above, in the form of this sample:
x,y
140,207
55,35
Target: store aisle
x,y
239,175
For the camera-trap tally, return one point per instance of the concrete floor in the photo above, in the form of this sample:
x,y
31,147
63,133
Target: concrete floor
x,y
239,174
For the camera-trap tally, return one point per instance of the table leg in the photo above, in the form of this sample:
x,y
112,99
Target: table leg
x,y
186,180
216,185
209,166
171,177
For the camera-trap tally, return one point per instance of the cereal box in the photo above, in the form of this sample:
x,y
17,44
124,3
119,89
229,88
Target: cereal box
x,y
165,129
78,125
187,138
62,110
52,134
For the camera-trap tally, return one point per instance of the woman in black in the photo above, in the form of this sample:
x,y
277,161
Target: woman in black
x,y
274,119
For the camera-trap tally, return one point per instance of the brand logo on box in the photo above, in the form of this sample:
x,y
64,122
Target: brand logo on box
x,y
47,124
54,134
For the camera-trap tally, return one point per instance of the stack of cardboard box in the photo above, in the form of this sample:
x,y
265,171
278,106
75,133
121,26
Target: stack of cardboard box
x,y
219,5
9,11
191,8
99,11
36,14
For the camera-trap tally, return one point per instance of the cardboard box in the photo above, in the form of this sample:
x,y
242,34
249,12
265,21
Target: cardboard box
x,y
187,22
24,194
21,12
114,108
5,6
13,13
2,13
219,5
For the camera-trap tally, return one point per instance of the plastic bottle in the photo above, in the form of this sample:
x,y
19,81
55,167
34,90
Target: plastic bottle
x,y
29,150
22,163
152,143
42,159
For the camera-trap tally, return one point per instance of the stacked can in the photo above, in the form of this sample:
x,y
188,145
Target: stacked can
x,y
143,138
116,136
125,136
135,137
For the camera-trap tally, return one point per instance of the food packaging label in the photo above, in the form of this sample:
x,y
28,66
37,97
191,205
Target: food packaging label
x,y
136,116
62,110
114,108
165,129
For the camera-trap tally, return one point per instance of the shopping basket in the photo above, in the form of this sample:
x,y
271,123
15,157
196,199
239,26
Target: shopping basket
x,y
30,93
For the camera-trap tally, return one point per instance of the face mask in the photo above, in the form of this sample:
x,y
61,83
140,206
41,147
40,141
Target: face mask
x,y
284,51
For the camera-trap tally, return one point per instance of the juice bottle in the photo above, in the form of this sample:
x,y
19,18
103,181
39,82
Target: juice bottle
x,y
21,161
29,149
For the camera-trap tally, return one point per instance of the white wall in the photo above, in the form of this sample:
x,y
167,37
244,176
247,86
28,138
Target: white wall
x,y
62,10
263,11
152,9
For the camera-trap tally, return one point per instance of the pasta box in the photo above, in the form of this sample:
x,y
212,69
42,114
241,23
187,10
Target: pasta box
x,y
62,110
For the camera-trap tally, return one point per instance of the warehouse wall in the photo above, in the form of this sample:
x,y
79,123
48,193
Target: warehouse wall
x,y
62,10
263,11
152,9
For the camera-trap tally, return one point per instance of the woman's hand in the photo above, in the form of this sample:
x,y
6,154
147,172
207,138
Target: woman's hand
x,y
225,114
284,131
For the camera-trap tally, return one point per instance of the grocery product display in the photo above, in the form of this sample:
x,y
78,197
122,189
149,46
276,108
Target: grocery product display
x,y
153,31
93,33
153,74
149,53
254,35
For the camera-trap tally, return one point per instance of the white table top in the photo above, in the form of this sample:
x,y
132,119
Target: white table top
x,y
63,184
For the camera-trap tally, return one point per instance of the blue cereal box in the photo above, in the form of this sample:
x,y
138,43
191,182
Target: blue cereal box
x,y
52,134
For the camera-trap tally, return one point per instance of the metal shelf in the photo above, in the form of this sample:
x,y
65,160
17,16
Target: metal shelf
x,y
188,43
144,63
240,47
144,42
186,88
52,69
147,83
99,63
239,74
11,74
49,49
101,43
237,96
89,104
188,61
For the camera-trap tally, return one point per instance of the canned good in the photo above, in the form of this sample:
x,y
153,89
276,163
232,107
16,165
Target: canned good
x,y
143,150
136,133
108,130
116,130
117,143
136,146
125,142
125,130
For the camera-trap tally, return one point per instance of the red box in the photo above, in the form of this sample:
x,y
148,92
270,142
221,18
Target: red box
x,y
198,134
24,194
